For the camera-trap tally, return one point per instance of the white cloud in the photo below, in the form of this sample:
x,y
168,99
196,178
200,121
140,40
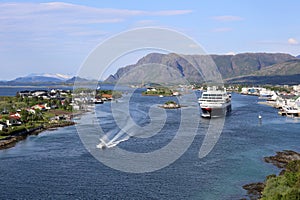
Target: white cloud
x,y
293,41
57,21
231,53
57,36
120,12
54,9
227,18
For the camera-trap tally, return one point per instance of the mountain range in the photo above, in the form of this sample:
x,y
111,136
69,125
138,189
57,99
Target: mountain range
x,y
44,79
250,68
287,72
266,68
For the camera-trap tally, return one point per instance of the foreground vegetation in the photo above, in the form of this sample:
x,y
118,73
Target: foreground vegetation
x,y
12,104
285,186
28,111
22,113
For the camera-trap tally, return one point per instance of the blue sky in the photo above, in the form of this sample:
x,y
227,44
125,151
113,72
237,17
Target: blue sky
x,y
56,37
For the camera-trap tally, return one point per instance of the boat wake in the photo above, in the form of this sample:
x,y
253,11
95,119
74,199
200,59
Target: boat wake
x,y
126,127
105,142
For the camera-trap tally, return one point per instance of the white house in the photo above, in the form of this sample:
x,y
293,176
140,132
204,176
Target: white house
x,y
41,107
296,88
2,126
39,93
297,102
274,96
175,93
31,111
151,89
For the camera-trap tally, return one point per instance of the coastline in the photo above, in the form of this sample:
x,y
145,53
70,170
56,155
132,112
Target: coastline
x,y
281,161
11,141
267,103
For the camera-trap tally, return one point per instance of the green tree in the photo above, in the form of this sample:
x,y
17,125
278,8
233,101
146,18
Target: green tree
x,y
24,116
286,186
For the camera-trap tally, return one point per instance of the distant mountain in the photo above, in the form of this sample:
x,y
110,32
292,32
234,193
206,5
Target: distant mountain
x,y
256,80
35,79
282,73
247,63
41,78
290,67
174,66
298,56
57,76
78,79
44,79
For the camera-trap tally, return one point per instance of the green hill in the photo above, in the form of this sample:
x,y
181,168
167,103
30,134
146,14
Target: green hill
x,y
233,68
290,67
282,73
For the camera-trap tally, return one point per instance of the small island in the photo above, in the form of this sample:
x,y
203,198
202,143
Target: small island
x,y
170,105
159,91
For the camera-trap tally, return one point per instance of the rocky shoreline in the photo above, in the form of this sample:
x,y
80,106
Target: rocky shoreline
x,y
280,160
11,141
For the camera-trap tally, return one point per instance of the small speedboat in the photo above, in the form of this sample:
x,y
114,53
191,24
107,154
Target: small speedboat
x,y
102,145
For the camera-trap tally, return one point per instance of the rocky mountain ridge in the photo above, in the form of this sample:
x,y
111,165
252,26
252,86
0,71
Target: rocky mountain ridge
x,y
191,67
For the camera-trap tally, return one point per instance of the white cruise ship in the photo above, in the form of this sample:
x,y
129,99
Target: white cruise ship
x,y
215,103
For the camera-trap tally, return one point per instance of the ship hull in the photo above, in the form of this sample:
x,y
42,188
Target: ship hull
x,y
215,111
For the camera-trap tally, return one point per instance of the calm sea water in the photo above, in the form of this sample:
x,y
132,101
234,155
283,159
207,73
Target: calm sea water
x,y
55,164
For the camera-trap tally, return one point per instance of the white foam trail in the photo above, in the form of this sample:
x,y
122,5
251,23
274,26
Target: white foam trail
x,y
117,136
113,144
129,127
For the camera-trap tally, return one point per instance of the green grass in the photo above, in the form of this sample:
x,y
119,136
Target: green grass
x,y
11,104
170,102
2,136
48,115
